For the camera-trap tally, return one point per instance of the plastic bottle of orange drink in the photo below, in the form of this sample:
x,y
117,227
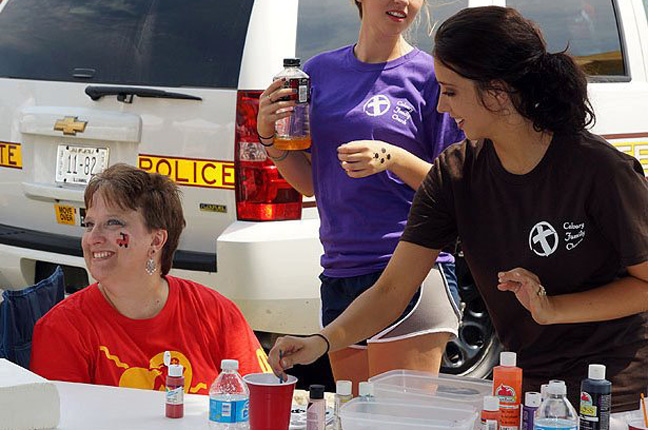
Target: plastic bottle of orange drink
x,y
507,385
293,132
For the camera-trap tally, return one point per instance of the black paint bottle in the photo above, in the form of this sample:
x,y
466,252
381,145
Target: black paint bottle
x,y
595,399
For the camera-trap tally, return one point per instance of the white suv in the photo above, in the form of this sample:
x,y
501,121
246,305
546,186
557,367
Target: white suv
x,y
172,86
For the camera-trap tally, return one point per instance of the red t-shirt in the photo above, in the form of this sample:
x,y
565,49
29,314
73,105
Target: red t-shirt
x,y
84,339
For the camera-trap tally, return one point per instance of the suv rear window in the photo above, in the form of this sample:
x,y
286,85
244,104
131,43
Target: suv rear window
x,y
188,43
324,25
588,28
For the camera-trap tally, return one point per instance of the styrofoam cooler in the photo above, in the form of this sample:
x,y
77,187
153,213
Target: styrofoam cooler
x,y
421,387
391,414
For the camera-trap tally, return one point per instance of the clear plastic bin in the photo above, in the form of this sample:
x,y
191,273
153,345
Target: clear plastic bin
x,y
391,414
421,387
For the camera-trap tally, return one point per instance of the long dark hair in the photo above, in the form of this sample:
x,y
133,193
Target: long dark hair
x,y
493,44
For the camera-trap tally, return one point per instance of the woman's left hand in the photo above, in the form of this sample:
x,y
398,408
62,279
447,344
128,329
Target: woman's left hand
x,y
529,291
362,158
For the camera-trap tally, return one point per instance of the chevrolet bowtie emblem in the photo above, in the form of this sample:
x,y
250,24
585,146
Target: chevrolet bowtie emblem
x,y
70,125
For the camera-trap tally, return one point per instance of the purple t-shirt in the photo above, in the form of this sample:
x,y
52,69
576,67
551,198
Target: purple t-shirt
x,y
363,219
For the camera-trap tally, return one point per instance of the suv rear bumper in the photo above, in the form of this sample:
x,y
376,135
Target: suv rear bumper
x,y
71,246
266,268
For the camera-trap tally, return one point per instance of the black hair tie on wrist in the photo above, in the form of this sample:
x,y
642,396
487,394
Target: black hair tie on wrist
x,y
262,138
328,344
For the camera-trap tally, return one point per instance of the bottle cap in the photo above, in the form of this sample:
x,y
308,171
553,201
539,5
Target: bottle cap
x,y
596,371
291,62
365,389
557,388
532,399
175,370
491,403
508,359
343,387
316,391
229,365
543,391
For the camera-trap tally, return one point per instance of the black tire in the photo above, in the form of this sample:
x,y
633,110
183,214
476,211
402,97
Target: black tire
x,y
476,350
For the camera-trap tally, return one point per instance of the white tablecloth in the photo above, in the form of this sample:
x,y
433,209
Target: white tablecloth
x,y
97,407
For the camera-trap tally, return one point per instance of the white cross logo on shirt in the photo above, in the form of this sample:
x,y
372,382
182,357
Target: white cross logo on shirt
x,y
543,239
377,105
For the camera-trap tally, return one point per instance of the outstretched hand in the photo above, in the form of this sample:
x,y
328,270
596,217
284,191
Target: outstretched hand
x,y
290,350
362,158
529,291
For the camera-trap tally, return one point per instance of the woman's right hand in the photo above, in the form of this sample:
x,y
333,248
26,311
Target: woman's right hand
x,y
290,350
271,109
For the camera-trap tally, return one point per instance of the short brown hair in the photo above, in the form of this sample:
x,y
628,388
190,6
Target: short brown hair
x,y
156,195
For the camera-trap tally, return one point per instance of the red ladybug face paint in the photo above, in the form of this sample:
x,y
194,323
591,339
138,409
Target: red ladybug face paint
x,y
123,240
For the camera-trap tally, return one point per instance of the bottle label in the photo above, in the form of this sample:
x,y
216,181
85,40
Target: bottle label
x,y
302,88
594,411
557,427
236,411
174,396
587,406
509,407
506,394
489,424
527,418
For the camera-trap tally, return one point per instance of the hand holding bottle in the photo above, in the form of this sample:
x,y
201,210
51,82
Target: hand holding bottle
x,y
273,107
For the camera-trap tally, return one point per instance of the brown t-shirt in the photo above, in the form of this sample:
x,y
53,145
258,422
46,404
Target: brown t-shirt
x,y
576,220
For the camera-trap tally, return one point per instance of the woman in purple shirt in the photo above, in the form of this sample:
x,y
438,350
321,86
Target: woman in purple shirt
x,y
375,131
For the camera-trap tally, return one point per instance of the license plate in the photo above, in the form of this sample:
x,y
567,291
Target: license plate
x,y
77,164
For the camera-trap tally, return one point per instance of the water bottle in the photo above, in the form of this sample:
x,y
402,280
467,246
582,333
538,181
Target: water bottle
x,y
293,132
229,399
555,412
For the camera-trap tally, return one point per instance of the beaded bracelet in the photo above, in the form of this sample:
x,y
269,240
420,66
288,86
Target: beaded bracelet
x,y
262,138
279,158
328,344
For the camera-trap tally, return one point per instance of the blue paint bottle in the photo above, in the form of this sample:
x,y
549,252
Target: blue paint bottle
x,y
595,400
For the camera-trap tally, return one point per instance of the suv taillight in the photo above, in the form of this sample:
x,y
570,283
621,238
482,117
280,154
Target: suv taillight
x,y
261,193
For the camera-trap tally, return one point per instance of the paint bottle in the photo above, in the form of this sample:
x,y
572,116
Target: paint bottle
x,y
507,385
543,391
342,395
532,400
174,388
595,399
366,391
491,415
316,411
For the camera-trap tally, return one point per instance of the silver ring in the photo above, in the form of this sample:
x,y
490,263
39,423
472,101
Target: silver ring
x,y
541,291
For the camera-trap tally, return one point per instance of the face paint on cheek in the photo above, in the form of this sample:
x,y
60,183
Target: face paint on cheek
x,y
123,240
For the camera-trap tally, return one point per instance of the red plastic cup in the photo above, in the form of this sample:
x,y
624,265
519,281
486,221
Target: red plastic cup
x,y
270,401
637,424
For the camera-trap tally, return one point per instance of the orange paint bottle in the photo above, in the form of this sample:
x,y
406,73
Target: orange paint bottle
x,y
507,385
491,415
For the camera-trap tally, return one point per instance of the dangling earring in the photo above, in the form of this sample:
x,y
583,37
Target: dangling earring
x,y
150,268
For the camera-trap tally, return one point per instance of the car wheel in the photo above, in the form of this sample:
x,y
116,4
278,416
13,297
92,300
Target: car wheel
x,y
476,350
